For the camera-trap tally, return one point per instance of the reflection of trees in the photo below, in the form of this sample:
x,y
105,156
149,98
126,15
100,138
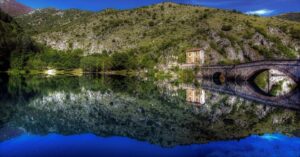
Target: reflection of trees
x,y
123,106
7,101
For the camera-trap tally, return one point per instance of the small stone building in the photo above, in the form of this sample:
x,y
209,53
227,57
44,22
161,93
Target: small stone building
x,y
195,96
195,56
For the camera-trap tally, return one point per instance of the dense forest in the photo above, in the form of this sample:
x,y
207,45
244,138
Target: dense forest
x,y
15,45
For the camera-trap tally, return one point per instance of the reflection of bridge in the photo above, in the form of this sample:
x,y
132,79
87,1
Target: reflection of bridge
x,y
246,91
238,81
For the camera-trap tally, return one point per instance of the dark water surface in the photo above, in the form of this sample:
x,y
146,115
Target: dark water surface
x,y
122,116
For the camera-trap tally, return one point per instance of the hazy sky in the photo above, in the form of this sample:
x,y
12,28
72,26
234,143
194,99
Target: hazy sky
x,y
261,7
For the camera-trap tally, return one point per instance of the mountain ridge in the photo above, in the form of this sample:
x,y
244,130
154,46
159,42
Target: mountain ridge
x,y
293,16
14,8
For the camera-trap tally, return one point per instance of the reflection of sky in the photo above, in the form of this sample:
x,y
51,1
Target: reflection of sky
x,y
262,7
269,145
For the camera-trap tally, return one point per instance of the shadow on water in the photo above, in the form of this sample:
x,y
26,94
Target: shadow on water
x,y
125,106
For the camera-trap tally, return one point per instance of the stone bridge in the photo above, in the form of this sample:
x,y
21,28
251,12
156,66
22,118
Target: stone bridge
x,y
247,70
237,81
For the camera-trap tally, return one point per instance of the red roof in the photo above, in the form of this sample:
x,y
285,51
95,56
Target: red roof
x,y
194,49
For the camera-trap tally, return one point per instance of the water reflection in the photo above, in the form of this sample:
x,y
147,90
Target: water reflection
x,y
196,96
156,112
270,145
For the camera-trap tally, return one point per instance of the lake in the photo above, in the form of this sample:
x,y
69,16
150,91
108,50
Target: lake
x,y
127,116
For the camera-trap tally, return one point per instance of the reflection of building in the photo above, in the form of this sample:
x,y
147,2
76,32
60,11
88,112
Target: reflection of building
x,y
195,96
195,56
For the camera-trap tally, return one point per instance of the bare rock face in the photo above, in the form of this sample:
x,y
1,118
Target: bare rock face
x,y
231,53
224,43
259,40
250,53
14,8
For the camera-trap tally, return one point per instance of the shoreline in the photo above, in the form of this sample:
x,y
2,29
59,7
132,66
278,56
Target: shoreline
x,y
75,72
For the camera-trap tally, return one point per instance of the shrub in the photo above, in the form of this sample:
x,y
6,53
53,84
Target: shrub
x,y
122,61
295,33
70,45
284,28
236,11
151,23
261,31
95,63
261,80
186,76
248,34
226,28
213,45
263,51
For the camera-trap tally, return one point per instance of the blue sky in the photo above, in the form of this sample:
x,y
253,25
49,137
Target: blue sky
x,y
261,7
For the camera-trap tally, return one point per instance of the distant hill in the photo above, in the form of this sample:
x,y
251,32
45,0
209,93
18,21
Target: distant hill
x,y
290,16
14,8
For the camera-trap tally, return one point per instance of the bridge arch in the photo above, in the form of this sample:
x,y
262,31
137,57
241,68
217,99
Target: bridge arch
x,y
256,72
264,96
219,78
255,87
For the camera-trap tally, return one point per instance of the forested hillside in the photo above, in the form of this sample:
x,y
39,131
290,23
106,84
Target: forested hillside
x,y
157,35
14,44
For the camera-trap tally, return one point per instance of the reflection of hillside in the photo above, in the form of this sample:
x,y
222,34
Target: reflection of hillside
x,y
127,107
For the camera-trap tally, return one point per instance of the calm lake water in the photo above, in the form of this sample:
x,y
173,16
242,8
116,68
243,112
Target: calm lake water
x,y
126,116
